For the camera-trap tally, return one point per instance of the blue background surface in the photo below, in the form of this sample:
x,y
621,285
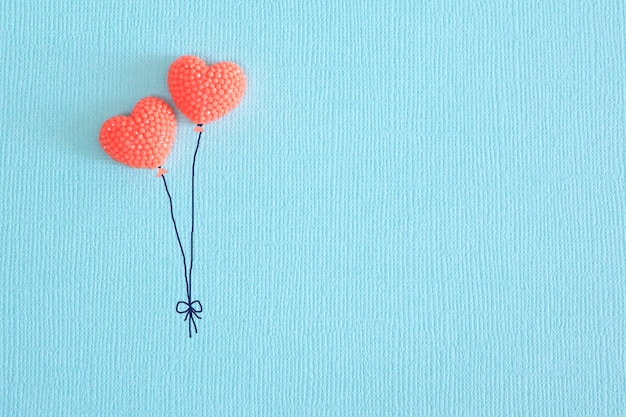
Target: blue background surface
x,y
417,210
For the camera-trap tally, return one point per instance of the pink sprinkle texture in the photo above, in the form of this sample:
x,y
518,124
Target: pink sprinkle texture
x,y
145,138
205,93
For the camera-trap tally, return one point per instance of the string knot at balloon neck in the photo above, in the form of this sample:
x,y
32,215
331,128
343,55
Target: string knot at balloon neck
x,y
162,171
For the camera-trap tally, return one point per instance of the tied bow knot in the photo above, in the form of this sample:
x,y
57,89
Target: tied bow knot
x,y
190,309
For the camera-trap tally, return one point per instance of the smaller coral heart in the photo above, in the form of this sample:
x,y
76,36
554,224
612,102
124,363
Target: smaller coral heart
x,y
205,93
145,138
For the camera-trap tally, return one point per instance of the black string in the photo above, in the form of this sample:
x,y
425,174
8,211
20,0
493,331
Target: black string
x,y
180,245
189,308
193,174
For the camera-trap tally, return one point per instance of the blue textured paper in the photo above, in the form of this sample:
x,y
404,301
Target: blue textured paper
x,y
417,210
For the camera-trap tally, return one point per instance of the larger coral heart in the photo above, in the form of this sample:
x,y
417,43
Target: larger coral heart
x,y
145,138
205,93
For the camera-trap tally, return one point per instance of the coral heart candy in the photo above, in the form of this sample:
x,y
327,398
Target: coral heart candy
x,y
145,138
205,93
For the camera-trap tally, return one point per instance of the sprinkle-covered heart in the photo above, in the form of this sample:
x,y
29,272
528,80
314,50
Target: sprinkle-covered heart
x,y
145,138
205,93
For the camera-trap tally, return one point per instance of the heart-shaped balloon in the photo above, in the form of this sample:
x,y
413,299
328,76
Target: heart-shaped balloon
x,y
205,93
145,138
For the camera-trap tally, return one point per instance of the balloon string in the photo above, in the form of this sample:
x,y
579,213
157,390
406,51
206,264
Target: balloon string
x,y
189,308
193,174
180,245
